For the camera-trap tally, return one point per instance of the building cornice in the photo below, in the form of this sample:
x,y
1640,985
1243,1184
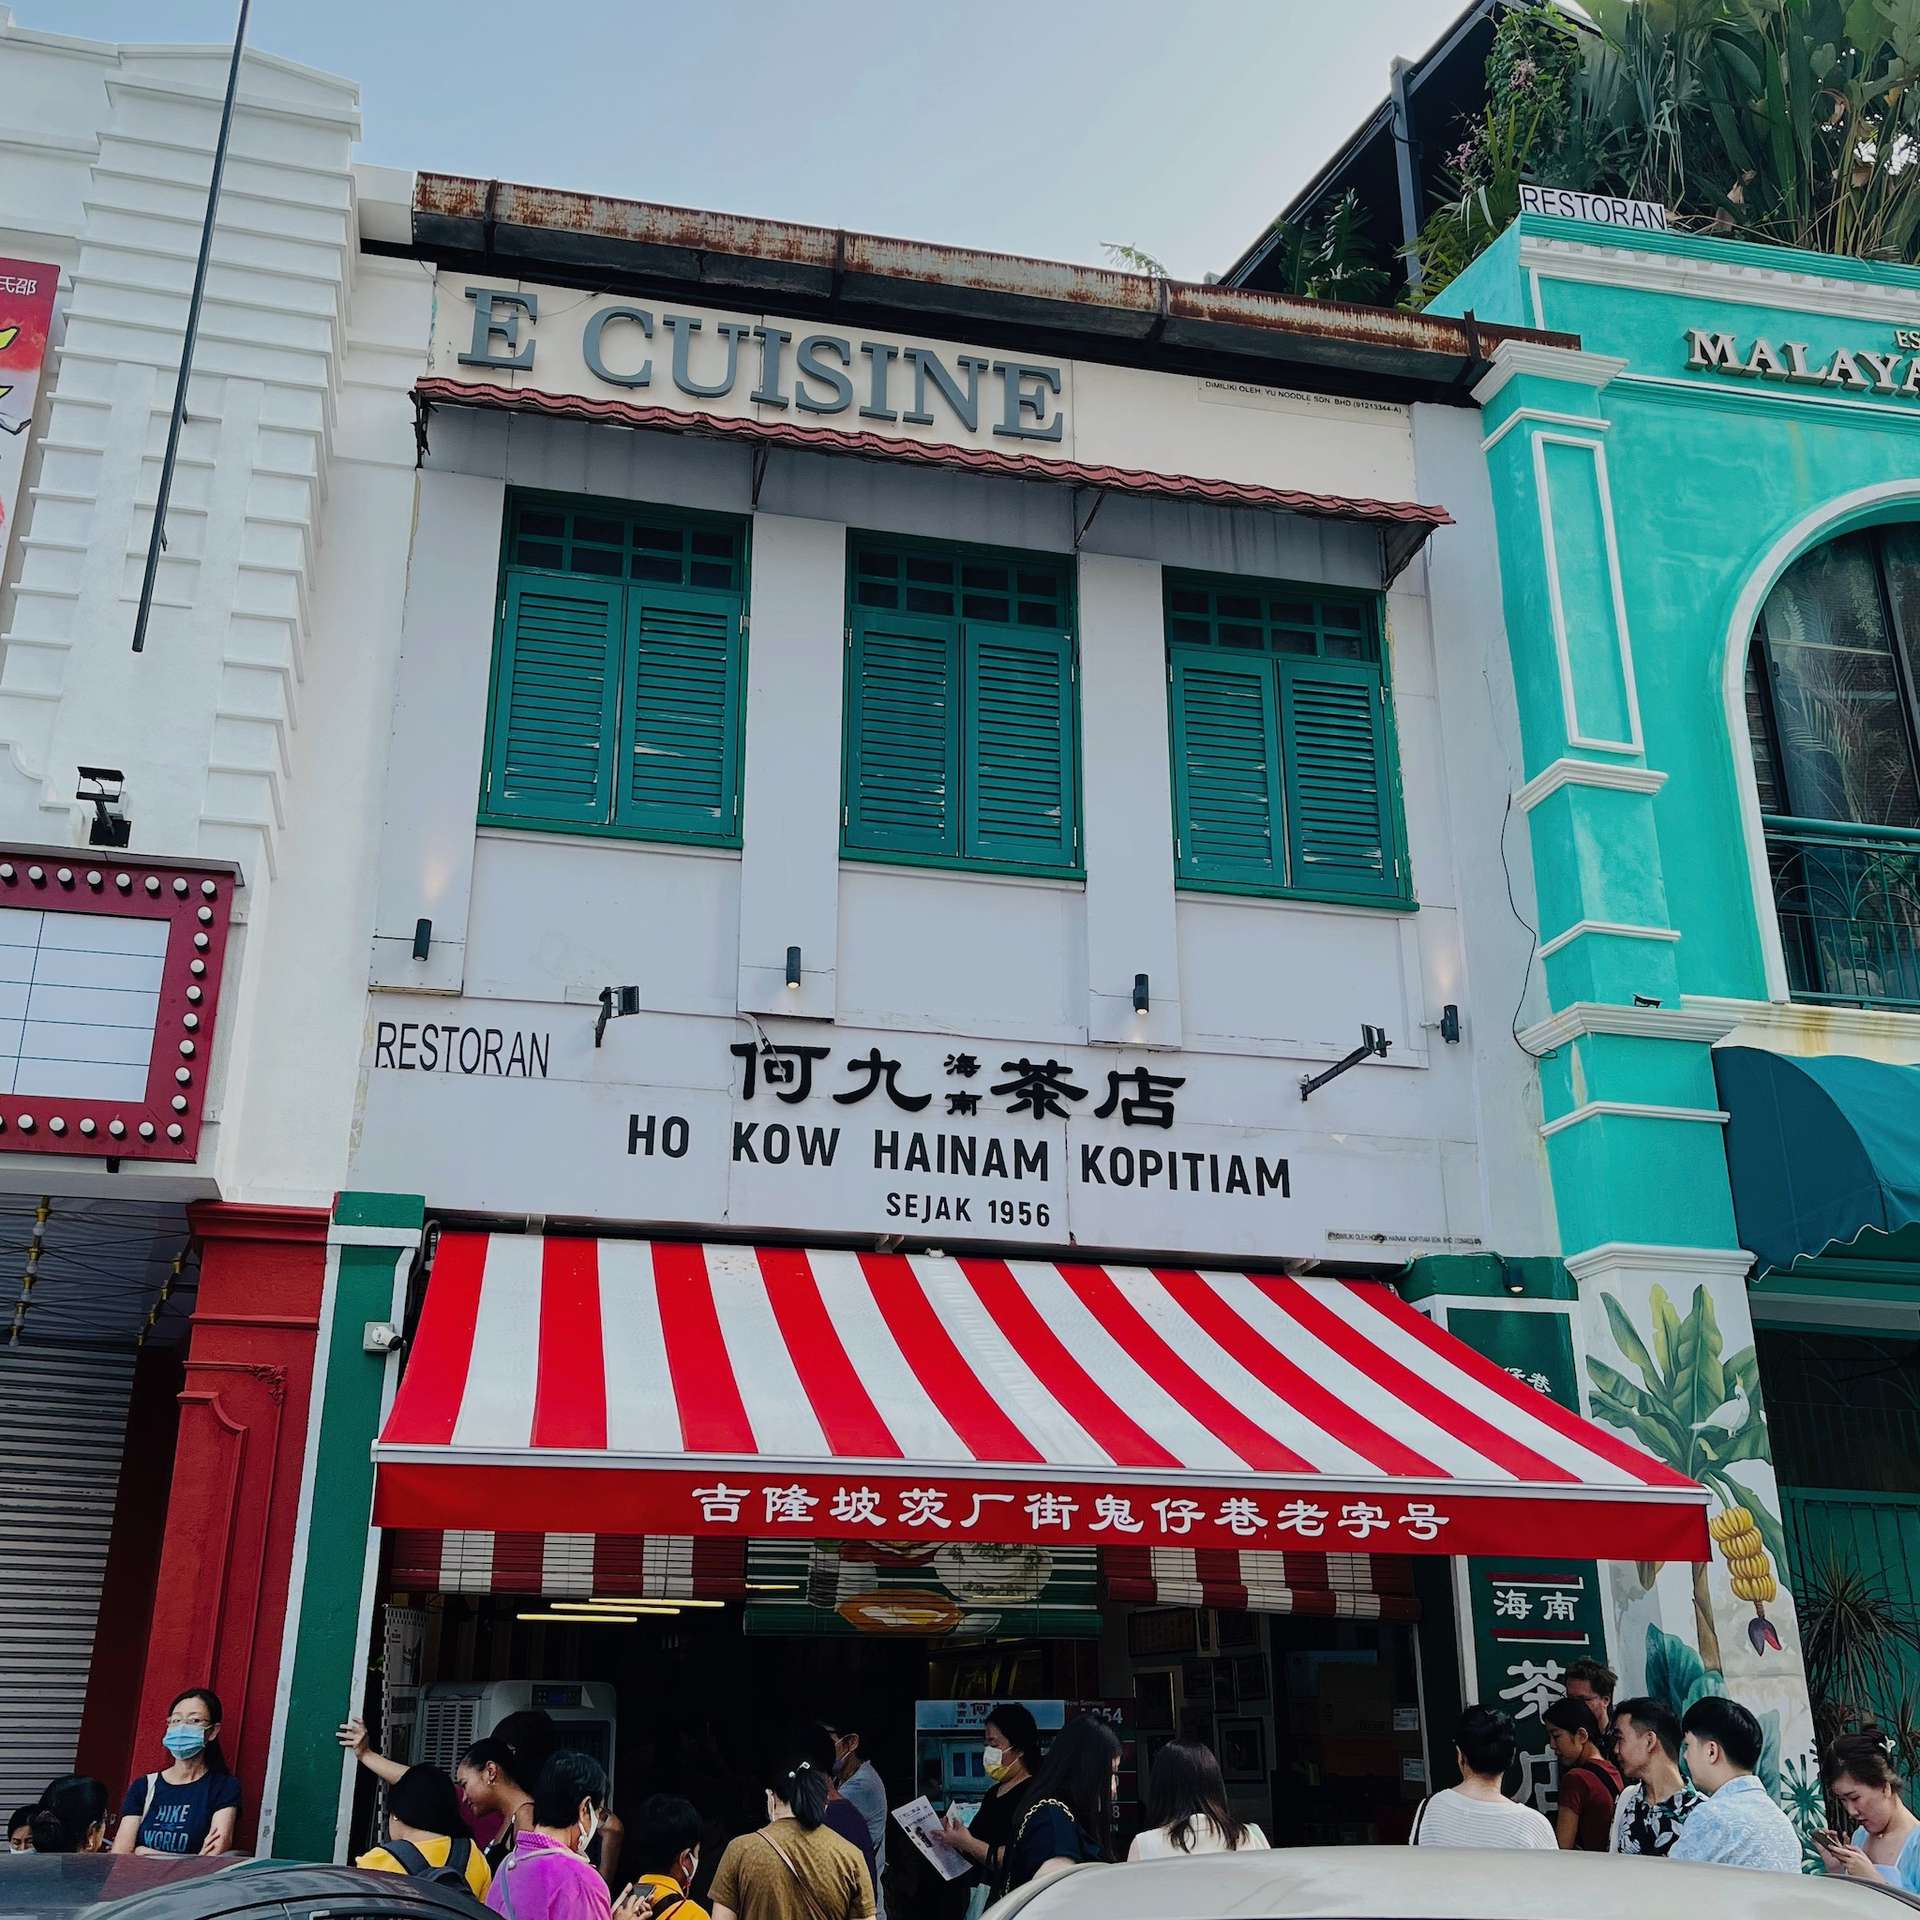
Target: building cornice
x,y
1568,772
1632,1110
1785,1026
1749,285
1690,1023
1631,1256
1518,359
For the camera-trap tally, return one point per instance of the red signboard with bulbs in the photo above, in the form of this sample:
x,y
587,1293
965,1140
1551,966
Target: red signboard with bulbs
x,y
110,972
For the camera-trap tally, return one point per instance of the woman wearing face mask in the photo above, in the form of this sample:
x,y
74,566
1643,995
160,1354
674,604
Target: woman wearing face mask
x,y
20,1830
1011,1756
193,1804
71,1816
547,1876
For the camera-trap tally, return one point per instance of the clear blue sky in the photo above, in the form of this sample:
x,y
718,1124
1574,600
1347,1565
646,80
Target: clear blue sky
x,y
1033,126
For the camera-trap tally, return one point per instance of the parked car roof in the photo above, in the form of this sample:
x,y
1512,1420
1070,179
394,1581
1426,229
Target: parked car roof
x,y
1432,1883
107,1886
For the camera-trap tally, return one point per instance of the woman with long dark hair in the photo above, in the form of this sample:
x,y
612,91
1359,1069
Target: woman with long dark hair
x,y
1069,1817
1861,1775
71,1816
192,1805
795,1867
1187,1808
1011,1754
548,1876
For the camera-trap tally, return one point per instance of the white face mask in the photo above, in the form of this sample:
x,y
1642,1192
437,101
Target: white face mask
x,y
997,1761
590,1829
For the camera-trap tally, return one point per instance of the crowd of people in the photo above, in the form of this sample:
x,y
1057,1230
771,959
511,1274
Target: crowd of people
x,y
523,1823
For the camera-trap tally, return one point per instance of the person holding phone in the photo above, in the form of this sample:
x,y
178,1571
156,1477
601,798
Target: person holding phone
x,y
1860,1774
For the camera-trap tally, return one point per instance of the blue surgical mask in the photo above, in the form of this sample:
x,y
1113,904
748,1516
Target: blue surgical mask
x,y
184,1742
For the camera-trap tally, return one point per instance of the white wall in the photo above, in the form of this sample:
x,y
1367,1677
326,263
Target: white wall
x,y
252,729
1247,995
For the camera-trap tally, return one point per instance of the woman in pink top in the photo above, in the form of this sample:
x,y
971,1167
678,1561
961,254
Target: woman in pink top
x,y
547,1875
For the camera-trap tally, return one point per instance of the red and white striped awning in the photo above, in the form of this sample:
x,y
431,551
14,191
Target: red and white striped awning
x,y
631,1387
1344,1586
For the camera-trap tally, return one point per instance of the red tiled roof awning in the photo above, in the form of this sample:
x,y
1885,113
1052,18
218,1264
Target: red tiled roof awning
x,y
1403,525
659,1387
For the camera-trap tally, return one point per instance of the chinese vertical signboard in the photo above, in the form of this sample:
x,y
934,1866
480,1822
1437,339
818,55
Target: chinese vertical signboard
x,y
1530,1619
26,317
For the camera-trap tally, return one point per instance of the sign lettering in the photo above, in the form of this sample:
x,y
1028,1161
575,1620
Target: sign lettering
x,y
1602,209
825,373
1850,369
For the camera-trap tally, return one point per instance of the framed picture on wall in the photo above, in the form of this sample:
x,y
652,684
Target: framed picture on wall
x,y
1225,1699
1196,1682
1196,1723
1150,1745
1153,1700
1243,1751
1160,1631
1238,1629
1250,1678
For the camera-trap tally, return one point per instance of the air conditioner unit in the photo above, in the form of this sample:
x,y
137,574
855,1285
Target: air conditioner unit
x,y
455,1713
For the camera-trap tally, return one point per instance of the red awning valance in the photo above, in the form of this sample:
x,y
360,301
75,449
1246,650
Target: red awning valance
x,y
635,1387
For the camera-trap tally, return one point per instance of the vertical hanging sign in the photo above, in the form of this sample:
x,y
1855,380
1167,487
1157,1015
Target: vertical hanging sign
x,y
26,318
1529,1619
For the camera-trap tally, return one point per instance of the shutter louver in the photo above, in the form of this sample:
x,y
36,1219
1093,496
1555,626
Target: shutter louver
x,y
679,737
1227,770
1339,791
554,708
1018,745
903,735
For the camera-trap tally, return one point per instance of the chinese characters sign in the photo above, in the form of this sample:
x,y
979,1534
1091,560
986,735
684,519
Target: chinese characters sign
x,y
26,317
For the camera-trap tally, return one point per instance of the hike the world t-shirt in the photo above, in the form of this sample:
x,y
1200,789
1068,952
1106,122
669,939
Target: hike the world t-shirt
x,y
179,1819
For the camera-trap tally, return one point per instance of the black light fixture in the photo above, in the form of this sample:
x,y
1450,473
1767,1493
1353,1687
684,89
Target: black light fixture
x,y
1645,1000
102,787
1450,1024
793,969
422,938
1515,1283
1373,1045
1140,1002
614,1003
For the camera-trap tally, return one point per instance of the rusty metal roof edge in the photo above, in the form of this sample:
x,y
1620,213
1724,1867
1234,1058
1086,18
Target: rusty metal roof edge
x,y
841,252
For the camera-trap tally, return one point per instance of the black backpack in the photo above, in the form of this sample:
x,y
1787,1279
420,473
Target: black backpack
x,y
416,1867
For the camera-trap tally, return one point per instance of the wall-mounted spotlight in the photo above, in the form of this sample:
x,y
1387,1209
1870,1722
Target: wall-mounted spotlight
x,y
615,1003
793,969
101,788
1140,1001
1450,1024
1645,1000
422,938
1515,1284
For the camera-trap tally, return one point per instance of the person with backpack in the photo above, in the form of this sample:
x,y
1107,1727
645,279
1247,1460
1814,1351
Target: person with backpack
x,y
426,1838
192,1805
1590,1783
665,1839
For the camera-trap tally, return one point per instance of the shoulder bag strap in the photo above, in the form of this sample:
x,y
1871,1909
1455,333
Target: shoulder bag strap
x,y
506,1884
807,1893
459,1852
153,1787
1034,1806
1419,1819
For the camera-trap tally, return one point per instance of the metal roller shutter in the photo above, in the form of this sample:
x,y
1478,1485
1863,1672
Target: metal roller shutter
x,y
63,1422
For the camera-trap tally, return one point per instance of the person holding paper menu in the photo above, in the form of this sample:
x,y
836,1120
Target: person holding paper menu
x,y
1012,1756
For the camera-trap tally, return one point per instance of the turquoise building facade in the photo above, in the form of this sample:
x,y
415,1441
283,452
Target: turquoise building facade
x,y
1707,519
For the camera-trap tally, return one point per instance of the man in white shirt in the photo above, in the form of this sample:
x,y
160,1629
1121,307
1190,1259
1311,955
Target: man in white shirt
x,y
1477,1813
1737,1825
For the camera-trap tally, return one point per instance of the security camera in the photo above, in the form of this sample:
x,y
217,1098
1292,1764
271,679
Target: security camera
x,y
382,1337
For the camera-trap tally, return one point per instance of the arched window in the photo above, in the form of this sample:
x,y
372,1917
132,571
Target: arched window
x,y
1833,710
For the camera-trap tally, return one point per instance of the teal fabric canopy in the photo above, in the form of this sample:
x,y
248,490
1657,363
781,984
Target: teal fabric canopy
x,y
1820,1149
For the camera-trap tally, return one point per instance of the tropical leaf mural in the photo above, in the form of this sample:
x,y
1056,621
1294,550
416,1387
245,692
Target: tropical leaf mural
x,y
1698,1409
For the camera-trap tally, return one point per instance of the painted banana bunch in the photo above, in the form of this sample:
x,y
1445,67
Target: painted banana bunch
x,y
1751,1571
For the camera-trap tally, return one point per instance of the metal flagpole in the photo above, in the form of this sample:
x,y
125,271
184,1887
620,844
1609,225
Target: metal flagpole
x,y
158,539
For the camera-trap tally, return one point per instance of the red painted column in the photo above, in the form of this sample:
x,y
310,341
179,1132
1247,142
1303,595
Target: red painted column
x,y
221,1598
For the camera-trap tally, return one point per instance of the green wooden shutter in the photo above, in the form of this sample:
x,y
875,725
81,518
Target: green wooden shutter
x,y
1226,768
680,714
1333,737
1017,730
903,734
554,719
